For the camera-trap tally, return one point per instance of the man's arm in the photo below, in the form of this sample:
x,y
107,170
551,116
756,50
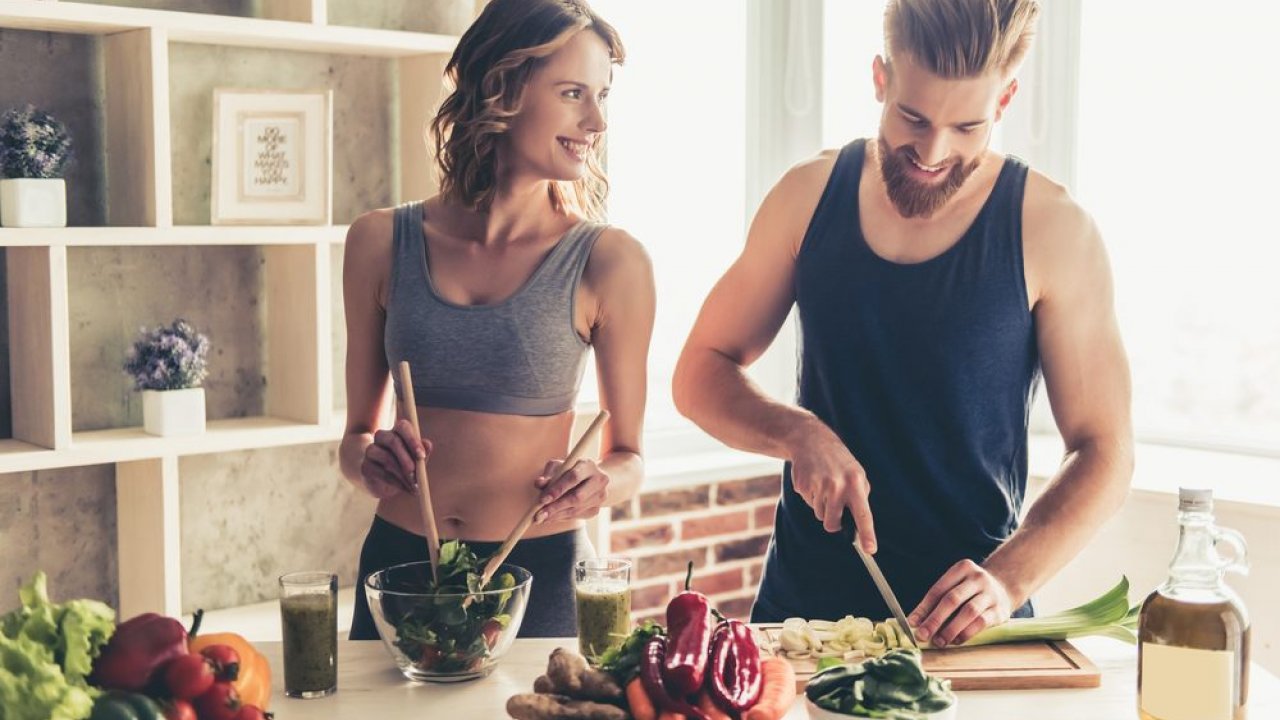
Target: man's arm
x,y
738,321
1087,378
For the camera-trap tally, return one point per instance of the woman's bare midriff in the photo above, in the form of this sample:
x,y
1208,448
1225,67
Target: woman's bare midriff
x,y
482,471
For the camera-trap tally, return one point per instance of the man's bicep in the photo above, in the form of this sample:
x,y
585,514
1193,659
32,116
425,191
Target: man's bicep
x,y
1085,367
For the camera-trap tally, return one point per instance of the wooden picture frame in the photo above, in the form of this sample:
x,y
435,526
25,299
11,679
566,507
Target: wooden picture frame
x,y
272,157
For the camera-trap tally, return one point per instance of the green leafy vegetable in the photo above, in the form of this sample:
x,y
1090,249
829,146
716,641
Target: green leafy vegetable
x,y
893,687
623,661
1109,614
46,651
443,635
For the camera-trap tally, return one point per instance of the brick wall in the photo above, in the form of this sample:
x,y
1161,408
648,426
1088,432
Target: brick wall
x,y
722,527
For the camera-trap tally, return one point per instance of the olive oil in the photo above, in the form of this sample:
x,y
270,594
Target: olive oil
x,y
1193,631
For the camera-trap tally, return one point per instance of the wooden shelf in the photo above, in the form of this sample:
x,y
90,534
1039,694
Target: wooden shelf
x,y
137,119
99,447
209,29
194,235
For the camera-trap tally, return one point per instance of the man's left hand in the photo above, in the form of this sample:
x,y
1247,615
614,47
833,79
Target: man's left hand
x,y
964,601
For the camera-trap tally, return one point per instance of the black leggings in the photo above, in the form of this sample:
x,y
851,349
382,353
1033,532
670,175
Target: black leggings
x,y
551,611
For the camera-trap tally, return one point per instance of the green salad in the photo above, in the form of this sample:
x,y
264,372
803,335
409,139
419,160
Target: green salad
x,y
893,687
442,634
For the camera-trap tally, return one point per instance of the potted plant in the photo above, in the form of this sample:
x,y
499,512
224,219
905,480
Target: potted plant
x,y
34,149
168,365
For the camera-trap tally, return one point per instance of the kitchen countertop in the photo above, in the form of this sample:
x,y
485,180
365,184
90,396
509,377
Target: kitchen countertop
x,y
370,687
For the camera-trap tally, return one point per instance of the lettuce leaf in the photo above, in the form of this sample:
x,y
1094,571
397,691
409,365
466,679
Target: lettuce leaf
x,y
47,651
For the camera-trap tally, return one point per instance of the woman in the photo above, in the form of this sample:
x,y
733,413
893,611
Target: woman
x,y
493,290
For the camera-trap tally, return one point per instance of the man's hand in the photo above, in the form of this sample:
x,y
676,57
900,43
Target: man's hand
x,y
965,600
827,476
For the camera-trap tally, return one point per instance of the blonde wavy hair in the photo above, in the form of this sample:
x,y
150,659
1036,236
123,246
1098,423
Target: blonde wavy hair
x,y
487,75
961,38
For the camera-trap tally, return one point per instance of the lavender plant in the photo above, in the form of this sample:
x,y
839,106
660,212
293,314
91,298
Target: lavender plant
x,y
168,358
33,144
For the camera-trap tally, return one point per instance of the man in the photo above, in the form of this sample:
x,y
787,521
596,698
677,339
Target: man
x,y
935,280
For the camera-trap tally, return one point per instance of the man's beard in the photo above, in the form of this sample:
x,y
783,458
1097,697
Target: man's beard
x,y
915,199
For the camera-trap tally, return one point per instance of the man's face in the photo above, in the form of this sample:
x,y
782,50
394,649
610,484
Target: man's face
x,y
933,131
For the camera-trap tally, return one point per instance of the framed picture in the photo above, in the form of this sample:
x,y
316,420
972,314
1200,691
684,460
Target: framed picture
x,y
271,157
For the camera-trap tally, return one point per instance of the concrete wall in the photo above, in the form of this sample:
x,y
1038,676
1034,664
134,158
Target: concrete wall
x,y
245,516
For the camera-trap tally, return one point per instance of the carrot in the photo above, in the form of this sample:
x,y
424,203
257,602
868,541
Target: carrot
x,y
777,690
638,701
707,706
671,716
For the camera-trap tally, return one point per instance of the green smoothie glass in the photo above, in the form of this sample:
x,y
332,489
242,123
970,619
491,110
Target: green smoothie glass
x,y
309,624
602,587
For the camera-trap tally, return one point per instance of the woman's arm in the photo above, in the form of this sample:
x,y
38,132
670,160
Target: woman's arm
x,y
386,468
619,277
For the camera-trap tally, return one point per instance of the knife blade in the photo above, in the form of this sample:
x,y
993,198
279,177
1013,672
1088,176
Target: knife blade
x,y
886,592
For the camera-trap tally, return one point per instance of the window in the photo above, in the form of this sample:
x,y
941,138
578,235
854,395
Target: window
x,y
852,35
676,161
1177,163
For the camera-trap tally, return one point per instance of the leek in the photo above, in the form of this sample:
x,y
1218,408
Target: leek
x,y
1108,615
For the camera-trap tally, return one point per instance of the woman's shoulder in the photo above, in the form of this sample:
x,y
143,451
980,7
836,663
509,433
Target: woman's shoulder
x,y
369,244
373,227
618,250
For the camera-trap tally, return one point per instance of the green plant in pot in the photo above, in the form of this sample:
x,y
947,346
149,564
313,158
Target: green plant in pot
x,y
34,150
168,365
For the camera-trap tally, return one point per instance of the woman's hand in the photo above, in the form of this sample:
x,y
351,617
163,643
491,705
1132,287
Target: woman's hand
x,y
578,495
388,466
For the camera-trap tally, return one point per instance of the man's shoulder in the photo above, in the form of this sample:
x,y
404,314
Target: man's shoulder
x,y
1059,237
1048,209
811,173
794,198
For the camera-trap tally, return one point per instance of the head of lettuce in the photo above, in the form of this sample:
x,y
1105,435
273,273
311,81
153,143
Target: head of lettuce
x,y
46,651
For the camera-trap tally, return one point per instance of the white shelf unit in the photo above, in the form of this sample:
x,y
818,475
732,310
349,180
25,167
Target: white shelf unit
x,y
299,406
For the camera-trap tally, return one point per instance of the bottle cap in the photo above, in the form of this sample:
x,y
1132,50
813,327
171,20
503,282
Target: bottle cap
x,y
1195,500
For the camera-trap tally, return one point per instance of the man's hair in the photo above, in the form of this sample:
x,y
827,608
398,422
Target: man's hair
x,y
961,38
488,72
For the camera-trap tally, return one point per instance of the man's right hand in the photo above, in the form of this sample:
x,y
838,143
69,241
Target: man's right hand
x,y
388,466
830,479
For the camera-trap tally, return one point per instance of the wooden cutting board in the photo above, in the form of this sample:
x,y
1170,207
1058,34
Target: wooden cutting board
x,y
1012,666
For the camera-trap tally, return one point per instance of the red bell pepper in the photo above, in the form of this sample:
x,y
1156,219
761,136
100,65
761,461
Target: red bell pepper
x,y
735,681
138,650
689,627
651,665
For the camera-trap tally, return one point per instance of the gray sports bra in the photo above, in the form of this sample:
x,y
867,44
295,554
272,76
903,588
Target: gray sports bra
x,y
521,356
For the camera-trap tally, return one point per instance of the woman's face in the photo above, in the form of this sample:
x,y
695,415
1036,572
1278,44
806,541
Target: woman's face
x,y
562,116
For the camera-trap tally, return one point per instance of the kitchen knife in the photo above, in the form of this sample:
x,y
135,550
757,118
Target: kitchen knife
x,y
886,592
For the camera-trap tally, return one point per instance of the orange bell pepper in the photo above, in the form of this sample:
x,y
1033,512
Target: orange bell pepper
x,y
254,681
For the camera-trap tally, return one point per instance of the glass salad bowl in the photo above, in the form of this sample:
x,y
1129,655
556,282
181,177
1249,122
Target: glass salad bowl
x,y
440,635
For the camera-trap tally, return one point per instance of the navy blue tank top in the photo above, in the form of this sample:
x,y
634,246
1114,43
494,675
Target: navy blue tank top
x,y
926,371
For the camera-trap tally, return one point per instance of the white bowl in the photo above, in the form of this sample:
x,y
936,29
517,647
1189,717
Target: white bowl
x,y
817,713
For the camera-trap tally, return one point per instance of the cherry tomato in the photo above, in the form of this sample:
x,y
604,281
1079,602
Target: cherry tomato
x,y
221,702
179,710
225,659
188,676
491,631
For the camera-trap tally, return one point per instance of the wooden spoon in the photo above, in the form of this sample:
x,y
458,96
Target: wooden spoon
x,y
575,455
420,466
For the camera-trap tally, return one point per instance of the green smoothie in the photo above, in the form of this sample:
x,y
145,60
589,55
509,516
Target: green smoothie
x,y
310,628
604,615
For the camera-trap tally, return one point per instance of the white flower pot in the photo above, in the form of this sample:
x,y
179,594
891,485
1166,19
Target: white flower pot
x,y
173,412
33,202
